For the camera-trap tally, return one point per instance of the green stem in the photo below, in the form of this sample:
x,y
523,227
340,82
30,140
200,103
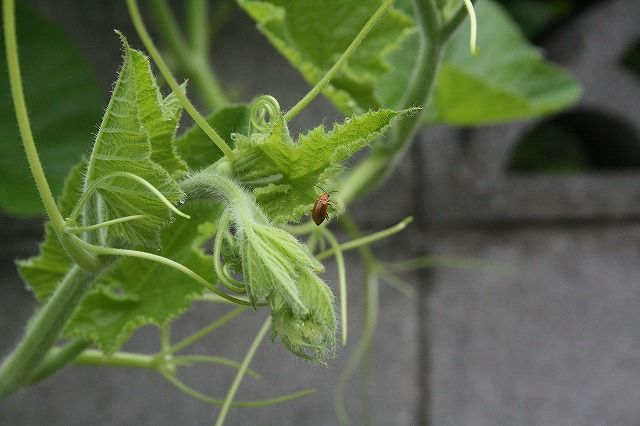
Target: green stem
x,y
364,344
134,11
399,284
81,229
198,26
110,251
43,330
187,360
262,403
226,280
315,91
15,80
58,358
363,241
342,280
212,298
118,359
193,57
190,340
79,256
375,169
241,371
454,22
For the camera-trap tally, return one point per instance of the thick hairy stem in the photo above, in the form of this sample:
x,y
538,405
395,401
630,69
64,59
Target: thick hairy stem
x,y
81,257
58,358
373,171
43,330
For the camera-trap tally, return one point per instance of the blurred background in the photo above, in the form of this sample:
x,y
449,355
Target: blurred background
x,y
531,313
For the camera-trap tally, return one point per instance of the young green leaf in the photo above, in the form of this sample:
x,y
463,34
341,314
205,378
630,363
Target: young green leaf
x,y
284,173
63,107
158,116
135,292
135,115
313,35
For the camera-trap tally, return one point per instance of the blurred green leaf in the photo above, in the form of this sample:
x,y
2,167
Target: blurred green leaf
x,y
313,35
507,80
64,103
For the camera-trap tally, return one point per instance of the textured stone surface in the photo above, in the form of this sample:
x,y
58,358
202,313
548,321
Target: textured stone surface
x,y
555,341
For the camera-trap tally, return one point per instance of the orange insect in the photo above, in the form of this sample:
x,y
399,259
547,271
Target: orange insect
x,y
320,207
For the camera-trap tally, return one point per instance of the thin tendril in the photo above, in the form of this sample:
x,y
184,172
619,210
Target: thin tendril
x,y
342,280
262,403
358,242
168,262
263,109
368,26
241,371
190,340
225,278
474,27
134,12
94,186
188,360
81,229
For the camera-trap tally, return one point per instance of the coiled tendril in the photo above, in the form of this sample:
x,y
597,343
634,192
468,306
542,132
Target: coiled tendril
x,y
263,109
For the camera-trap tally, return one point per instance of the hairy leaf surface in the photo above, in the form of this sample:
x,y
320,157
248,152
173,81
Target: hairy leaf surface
x,y
284,173
135,292
135,117
136,137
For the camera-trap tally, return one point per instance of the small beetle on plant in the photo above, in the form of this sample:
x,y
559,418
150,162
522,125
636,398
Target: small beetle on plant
x,y
320,207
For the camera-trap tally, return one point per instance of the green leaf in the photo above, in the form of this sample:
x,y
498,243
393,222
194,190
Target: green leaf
x,y
135,114
64,101
133,292
312,36
507,80
284,174
198,150
43,272
159,117
136,292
